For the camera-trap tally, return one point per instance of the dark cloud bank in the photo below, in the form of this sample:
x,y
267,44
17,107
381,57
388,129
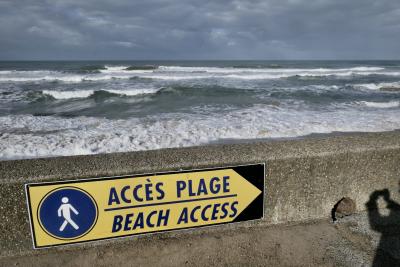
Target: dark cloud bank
x,y
198,29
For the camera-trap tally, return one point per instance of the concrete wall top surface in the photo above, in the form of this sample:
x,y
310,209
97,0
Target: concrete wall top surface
x,y
304,177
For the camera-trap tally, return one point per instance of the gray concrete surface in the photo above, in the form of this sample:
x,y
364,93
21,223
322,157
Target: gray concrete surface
x,y
305,178
348,242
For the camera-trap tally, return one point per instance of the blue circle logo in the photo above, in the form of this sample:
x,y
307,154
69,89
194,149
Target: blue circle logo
x,y
67,213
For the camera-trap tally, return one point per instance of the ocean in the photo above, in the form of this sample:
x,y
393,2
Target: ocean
x,y
60,108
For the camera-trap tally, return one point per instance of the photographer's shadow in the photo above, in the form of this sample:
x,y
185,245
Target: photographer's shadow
x,y
388,251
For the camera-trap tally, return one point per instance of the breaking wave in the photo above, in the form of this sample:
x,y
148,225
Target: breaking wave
x,y
88,93
393,86
88,107
27,136
109,72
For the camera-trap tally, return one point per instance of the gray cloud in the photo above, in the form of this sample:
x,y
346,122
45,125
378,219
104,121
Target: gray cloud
x,y
192,29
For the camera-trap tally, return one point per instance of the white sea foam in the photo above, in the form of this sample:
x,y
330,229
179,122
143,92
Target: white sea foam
x,y
46,75
185,73
390,104
377,86
133,92
369,86
367,68
263,70
115,68
86,93
26,136
37,75
69,94
255,74
71,78
26,72
177,77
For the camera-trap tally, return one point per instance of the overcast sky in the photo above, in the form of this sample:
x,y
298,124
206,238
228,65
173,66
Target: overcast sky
x,y
199,29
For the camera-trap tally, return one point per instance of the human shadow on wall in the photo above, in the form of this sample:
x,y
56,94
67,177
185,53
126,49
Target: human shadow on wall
x,y
388,251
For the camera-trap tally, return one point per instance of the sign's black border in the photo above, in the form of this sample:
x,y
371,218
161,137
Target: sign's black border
x,y
252,212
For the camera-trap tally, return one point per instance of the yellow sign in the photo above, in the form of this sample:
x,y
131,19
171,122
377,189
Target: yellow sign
x,y
93,209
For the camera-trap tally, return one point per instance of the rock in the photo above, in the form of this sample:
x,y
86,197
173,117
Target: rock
x,y
345,207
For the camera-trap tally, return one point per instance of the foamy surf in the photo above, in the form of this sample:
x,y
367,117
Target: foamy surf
x,y
378,86
69,108
109,72
88,93
263,70
54,136
390,104
68,94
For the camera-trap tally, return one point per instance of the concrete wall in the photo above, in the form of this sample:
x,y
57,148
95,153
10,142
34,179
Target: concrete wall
x,y
305,177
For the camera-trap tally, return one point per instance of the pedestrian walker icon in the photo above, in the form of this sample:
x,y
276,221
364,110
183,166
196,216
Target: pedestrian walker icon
x,y
64,210
67,213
